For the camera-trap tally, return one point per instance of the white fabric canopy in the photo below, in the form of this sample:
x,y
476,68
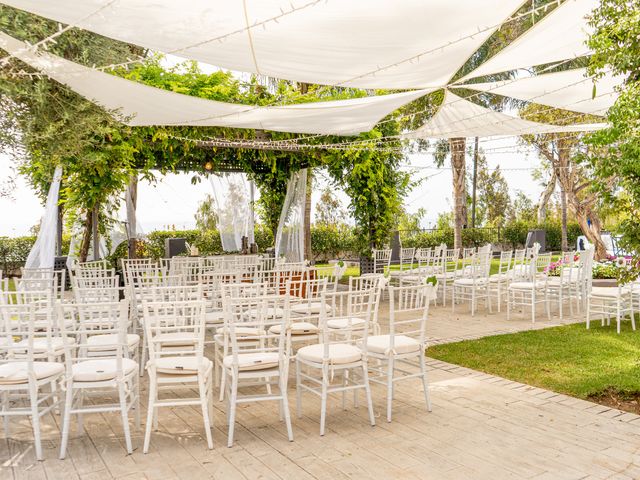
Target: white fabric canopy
x,y
569,90
232,205
43,252
558,36
458,117
290,233
359,43
142,105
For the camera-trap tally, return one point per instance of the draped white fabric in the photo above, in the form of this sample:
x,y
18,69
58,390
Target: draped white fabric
x,y
569,90
458,117
359,43
558,36
143,105
290,233
43,252
232,204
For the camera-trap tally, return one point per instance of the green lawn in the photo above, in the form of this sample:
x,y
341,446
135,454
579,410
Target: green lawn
x,y
568,359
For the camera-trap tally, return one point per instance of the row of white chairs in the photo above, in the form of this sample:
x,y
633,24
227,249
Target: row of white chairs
x,y
322,329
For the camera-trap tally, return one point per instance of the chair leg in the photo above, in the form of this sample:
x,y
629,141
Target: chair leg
x,y
588,312
425,382
66,420
203,390
298,390
232,409
124,412
150,413
390,365
367,389
323,400
5,418
285,406
35,420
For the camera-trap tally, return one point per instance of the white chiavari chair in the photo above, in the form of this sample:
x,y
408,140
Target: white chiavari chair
x,y
533,290
381,260
499,282
473,284
262,362
608,302
99,359
175,366
404,346
22,375
344,359
446,271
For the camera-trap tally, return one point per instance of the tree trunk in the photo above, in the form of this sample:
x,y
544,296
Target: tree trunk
x,y
59,231
475,183
131,216
457,146
307,216
544,198
564,242
86,237
593,232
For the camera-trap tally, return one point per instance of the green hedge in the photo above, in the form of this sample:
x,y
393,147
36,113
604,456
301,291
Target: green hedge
x,y
14,252
513,235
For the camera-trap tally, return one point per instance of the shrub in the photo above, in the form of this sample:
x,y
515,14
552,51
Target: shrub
x,y
14,253
333,241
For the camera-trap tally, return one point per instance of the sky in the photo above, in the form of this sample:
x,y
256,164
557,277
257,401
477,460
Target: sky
x,y
173,200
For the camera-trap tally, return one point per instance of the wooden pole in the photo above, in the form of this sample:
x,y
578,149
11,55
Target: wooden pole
x,y
132,218
96,234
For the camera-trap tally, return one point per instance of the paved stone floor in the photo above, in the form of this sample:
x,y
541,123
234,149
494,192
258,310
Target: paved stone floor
x,y
480,427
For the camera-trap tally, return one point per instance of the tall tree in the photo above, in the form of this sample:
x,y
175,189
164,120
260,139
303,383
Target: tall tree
x,y
575,180
615,151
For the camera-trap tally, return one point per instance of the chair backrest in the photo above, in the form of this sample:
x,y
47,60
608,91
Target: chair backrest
x,y
381,260
49,284
188,267
173,293
89,319
17,337
505,261
406,257
243,290
37,273
96,282
186,318
92,265
408,311
97,294
333,274
350,306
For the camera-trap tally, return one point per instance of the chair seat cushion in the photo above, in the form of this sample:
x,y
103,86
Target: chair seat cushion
x,y
346,322
176,339
499,277
214,317
297,328
309,307
101,370
521,286
240,331
107,342
253,361
401,344
339,353
273,312
187,365
15,373
469,282
608,292
54,346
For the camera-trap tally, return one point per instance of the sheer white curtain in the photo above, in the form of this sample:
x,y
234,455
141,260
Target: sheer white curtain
x,y
232,204
290,234
43,252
